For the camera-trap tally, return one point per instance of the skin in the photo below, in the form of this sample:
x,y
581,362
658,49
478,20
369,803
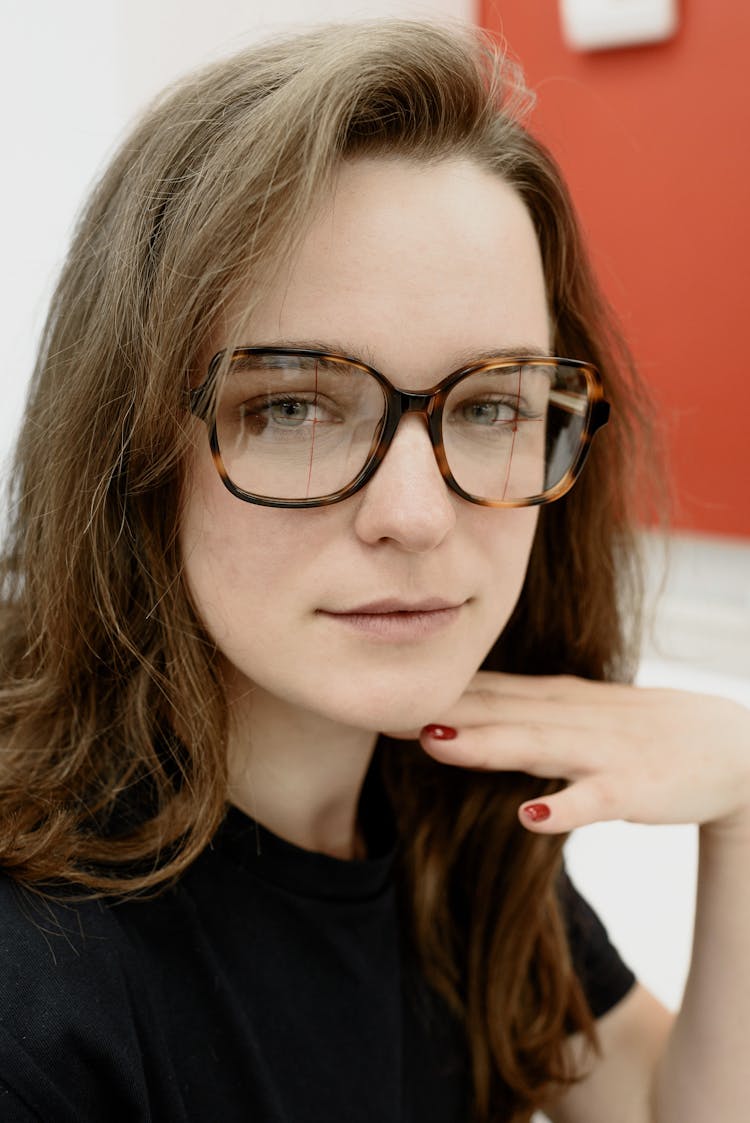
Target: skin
x,y
389,272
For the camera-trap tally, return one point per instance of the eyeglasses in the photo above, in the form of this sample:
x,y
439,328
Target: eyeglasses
x,y
305,428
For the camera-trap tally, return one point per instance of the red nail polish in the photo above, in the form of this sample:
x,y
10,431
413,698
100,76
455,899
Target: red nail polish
x,y
440,732
537,812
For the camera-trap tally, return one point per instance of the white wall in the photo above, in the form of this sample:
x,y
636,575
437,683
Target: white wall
x,y
58,98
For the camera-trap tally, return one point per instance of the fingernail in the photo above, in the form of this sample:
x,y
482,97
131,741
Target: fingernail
x,y
537,812
440,732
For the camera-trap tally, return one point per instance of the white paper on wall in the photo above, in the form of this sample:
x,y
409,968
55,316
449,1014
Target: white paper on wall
x,y
590,25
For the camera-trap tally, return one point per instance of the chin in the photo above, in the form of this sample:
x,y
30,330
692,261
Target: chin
x,y
402,707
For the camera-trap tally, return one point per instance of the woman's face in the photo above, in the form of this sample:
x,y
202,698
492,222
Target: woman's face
x,y
417,269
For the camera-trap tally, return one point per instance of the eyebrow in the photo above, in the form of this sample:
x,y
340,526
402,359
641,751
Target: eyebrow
x,y
365,355
522,349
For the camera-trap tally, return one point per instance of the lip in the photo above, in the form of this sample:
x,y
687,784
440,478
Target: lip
x,y
397,621
383,607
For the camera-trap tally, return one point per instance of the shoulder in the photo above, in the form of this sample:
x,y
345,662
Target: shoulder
x,y
67,1021
50,944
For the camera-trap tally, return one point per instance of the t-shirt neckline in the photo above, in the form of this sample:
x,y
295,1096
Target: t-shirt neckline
x,y
258,850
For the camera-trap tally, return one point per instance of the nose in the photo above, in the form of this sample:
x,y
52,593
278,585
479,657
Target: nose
x,y
407,500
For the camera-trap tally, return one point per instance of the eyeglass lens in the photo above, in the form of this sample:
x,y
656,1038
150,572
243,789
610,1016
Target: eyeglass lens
x,y
297,427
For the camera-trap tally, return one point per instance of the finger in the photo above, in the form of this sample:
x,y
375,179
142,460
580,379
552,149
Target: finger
x,y
580,804
560,700
552,688
499,698
567,716
532,747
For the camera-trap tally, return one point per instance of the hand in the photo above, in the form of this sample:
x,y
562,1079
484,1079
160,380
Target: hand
x,y
640,754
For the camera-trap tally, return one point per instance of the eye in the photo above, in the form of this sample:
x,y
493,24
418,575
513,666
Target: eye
x,y
289,412
283,411
490,411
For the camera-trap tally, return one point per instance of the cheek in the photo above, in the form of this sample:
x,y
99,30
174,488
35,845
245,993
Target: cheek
x,y
242,562
510,538
220,547
507,551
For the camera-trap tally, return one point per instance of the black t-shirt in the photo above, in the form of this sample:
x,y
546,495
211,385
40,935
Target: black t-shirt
x,y
268,986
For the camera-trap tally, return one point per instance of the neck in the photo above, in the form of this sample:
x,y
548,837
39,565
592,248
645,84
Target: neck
x,y
298,774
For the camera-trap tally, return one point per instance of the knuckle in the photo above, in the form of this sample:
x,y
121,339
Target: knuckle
x,y
605,795
535,746
486,699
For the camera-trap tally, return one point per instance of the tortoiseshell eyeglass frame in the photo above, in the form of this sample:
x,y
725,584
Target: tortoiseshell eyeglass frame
x,y
429,403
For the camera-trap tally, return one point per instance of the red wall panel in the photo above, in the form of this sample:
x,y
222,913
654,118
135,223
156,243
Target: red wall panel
x,y
655,144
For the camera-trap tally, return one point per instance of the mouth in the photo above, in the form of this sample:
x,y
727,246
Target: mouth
x,y
387,607
397,620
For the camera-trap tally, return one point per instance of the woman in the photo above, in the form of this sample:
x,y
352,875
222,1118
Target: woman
x,y
311,651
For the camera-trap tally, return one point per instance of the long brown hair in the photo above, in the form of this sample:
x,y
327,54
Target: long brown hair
x,y
100,646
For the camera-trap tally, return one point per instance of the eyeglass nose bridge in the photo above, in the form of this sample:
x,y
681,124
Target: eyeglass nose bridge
x,y
406,401
414,403
429,405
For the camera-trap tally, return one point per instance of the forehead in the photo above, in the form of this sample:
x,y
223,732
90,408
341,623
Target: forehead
x,y
413,267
